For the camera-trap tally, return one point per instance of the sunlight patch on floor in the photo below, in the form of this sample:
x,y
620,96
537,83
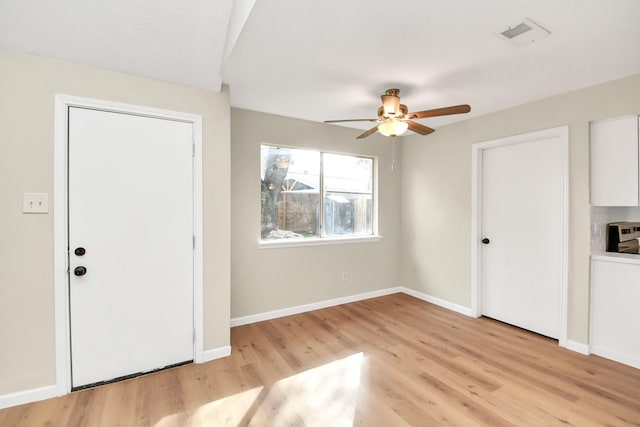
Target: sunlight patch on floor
x,y
228,411
322,396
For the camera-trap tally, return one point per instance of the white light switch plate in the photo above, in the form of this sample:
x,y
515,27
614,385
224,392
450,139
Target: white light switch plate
x,y
35,203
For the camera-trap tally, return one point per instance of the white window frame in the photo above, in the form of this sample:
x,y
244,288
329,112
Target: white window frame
x,y
330,240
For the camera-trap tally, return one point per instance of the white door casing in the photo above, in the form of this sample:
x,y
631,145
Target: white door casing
x,y
526,220
64,265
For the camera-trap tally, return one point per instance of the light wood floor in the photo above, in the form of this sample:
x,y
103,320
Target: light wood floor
x,y
389,361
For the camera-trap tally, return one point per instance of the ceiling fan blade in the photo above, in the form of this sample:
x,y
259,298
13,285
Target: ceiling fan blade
x,y
367,133
455,109
351,120
418,128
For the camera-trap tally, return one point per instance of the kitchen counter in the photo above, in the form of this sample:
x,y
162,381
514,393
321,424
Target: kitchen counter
x,y
616,257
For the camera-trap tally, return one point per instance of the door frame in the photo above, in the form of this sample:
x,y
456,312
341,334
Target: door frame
x,y
61,218
477,151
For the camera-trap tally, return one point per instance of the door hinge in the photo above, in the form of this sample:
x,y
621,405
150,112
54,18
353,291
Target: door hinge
x,y
194,242
193,149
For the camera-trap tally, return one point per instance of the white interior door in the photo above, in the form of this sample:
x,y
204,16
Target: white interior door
x,y
522,218
131,209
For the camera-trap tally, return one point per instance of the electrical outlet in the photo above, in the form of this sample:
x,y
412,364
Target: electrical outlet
x,y
35,203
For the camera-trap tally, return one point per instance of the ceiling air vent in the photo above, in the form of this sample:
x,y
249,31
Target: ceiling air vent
x,y
526,32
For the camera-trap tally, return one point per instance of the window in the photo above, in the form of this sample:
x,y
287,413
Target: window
x,y
295,181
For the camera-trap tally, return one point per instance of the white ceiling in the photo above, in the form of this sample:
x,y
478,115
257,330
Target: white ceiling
x,y
332,59
177,41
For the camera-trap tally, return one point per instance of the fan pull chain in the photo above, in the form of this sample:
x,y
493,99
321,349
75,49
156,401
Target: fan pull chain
x,y
393,153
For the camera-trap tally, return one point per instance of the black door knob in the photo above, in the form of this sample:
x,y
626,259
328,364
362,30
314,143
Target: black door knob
x,y
80,251
80,271
486,241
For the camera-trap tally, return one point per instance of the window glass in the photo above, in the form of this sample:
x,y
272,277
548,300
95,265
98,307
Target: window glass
x,y
348,197
292,183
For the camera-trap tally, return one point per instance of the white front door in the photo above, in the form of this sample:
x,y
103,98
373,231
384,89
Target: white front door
x,y
131,229
522,231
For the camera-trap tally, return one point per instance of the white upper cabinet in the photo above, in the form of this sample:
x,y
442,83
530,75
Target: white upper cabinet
x,y
615,175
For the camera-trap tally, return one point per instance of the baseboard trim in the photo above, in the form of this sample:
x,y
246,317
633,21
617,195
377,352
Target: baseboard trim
x,y
47,392
616,356
216,353
578,347
439,302
268,315
41,393
27,396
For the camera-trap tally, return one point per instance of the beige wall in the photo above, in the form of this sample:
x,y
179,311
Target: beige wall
x,y
270,279
436,192
27,88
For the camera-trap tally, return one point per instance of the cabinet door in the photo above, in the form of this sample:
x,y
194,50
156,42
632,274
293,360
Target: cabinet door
x,y
614,162
615,318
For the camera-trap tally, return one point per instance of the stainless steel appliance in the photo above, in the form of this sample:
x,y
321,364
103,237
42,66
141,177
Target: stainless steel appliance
x,y
623,237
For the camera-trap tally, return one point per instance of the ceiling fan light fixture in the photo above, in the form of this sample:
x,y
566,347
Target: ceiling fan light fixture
x,y
393,127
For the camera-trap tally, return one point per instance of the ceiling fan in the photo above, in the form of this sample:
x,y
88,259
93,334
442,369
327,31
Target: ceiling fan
x,y
394,118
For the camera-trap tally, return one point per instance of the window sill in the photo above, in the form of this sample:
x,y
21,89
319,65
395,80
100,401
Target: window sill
x,y
293,243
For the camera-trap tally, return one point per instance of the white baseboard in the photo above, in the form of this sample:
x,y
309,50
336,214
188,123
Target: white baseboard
x,y
616,356
27,396
440,302
33,395
47,392
216,353
268,315
578,347
245,320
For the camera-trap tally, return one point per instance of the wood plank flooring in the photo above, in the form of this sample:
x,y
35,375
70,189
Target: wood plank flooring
x,y
388,361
